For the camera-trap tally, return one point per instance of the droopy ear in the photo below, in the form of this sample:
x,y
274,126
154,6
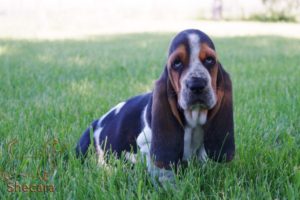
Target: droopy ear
x,y
167,131
219,130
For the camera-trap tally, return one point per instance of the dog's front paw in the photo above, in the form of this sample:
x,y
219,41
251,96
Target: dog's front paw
x,y
161,176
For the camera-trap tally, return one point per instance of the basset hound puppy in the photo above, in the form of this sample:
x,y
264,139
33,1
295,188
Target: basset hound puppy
x,y
188,114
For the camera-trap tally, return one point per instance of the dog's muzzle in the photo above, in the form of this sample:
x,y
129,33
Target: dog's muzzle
x,y
199,93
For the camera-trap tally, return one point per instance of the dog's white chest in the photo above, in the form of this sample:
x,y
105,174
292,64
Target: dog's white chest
x,y
194,135
193,143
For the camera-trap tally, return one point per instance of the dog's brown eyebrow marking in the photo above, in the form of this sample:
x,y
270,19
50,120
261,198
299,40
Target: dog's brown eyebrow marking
x,y
206,51
180,52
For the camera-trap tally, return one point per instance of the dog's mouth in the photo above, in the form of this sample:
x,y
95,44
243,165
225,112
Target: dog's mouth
x,y
191,101
197,105
196,114
204,102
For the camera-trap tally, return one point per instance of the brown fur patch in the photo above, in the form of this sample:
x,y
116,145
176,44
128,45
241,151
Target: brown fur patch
x,y
219,89
205,52
167,137
174,76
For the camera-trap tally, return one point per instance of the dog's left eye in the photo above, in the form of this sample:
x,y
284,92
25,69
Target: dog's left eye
x,y
209,61
177,64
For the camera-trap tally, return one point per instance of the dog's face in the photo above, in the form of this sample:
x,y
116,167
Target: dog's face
x,y
192,67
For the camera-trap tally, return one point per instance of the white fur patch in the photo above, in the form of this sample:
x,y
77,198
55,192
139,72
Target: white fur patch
x,y
131,157
193,134
99,151
116,110
195,117
194,42
97,138
144,143
97,133
145,137
118,107
187,150
203,117
193,141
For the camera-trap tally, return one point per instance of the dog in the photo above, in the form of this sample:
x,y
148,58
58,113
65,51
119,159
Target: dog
x,y
188,114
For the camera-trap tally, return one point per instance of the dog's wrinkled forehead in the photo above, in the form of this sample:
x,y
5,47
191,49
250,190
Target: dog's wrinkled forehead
x,y
182,38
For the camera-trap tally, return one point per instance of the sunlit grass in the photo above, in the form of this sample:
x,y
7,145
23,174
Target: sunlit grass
x,y
51,91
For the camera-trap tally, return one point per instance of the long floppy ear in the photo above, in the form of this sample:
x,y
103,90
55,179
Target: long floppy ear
x,y
166,125
219,130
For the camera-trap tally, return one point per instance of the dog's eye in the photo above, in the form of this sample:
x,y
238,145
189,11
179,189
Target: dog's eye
x,y
177,64
209,61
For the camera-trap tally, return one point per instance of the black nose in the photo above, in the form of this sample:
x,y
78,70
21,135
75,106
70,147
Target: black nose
x,y
196,85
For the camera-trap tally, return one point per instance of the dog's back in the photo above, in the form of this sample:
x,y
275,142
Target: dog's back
x,y
118,129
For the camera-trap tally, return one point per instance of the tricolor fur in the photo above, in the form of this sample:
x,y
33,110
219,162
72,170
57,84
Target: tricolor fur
x,y
189,113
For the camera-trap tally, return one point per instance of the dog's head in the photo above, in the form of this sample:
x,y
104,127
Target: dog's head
x,y
193,69
193,90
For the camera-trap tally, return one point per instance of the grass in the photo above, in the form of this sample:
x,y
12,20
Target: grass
x,y
50,91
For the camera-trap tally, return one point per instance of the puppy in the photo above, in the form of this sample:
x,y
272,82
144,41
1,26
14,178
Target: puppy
x,y
188,113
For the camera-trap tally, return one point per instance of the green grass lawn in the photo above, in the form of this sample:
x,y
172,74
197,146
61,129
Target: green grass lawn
x,y
50,91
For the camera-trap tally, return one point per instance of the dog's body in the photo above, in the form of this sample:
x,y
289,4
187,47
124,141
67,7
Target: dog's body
x,y
188,113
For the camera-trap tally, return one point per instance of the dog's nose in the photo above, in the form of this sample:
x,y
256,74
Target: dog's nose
x,y
196,85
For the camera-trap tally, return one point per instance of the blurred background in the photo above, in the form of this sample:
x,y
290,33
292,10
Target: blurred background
x,y
54,19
